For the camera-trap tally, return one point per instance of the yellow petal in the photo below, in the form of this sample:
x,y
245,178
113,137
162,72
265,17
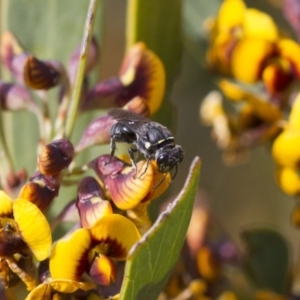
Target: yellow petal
x,y
115,235
70,286
45,291
160,183
143,74
264,109
276,78
294,117
33,227
103,270
290,50
248,59
92,210
41,292
289,180
6,205
69,257
207,264
127,191
286,149
231,14
259,25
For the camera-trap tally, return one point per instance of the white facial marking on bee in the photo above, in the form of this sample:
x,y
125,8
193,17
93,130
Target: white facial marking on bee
x,y
147,145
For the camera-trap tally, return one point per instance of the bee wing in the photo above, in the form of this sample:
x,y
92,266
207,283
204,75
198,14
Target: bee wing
x,y
123,115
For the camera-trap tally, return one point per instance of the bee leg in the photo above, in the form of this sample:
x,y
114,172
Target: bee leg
x,y
112,148
145,170
131,152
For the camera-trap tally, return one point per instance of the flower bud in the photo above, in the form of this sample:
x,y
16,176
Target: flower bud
x,y
55,157
15,97
42,75
40,190
13,56
90,203
102,95
96,133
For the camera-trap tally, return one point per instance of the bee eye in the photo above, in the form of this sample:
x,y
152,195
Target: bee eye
x,y
162,161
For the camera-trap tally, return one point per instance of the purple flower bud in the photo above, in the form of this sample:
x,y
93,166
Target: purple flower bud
x,y
15,97
13,56
103,95
96,133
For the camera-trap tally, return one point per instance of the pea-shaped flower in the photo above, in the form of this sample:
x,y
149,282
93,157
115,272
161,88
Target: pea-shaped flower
x,y
24,231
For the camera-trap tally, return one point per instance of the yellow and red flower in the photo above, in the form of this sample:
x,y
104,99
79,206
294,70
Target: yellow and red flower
x,y
20,236
245,43
93,250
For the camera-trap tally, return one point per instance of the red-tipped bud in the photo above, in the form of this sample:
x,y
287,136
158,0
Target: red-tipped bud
x,y
90,202
40,190
55,157
43,75
15,97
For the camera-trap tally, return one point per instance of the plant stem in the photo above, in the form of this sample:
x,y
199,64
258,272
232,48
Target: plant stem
x,y
76,94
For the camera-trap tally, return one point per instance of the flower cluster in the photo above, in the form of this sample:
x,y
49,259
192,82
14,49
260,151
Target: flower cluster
x,y
264,65
110,211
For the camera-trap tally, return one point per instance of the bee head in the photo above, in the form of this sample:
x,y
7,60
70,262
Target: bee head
x,y
169,157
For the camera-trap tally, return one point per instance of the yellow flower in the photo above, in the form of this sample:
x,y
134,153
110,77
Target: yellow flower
x,y
93,250
19,234
285,147
51,289
245,44
256,120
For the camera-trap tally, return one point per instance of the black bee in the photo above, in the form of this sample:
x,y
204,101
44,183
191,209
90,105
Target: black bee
x,y
150,138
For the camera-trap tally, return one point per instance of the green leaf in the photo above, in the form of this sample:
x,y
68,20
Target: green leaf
x,y
267,260
152,259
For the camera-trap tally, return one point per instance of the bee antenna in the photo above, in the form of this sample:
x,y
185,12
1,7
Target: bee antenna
x,y
174,175
160,182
